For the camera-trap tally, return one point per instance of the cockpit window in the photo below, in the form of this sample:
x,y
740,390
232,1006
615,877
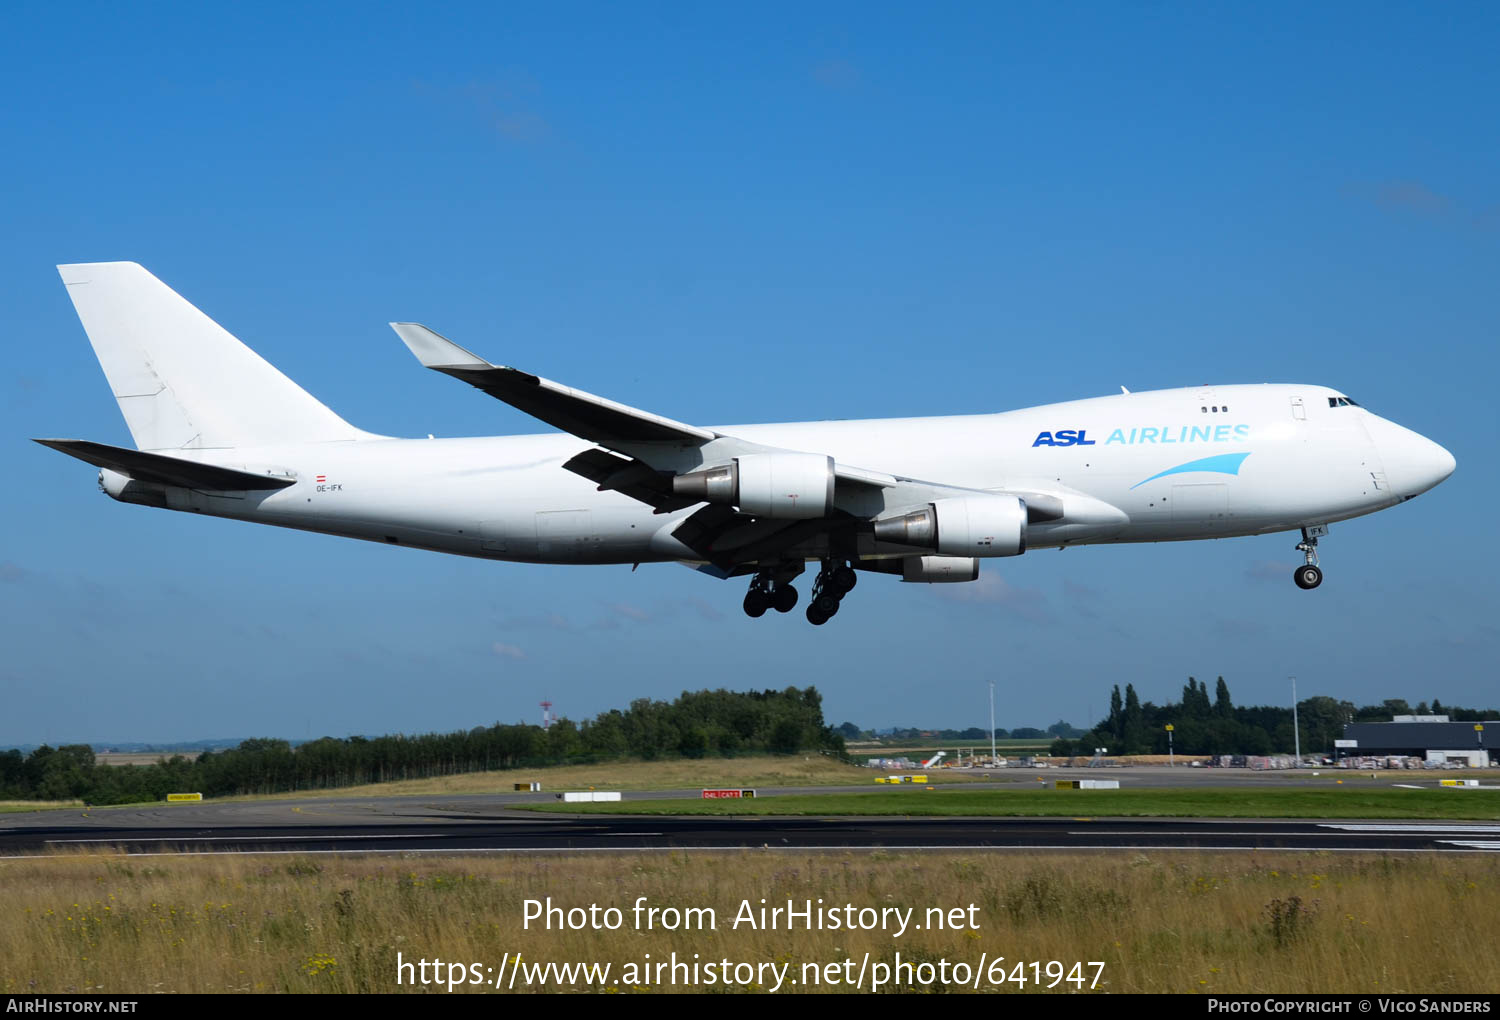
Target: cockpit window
x,y
1341,402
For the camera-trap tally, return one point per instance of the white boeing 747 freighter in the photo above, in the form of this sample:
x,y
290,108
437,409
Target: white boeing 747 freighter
x,y
220,431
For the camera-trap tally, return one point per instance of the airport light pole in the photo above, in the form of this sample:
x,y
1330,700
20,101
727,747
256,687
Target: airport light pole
x,y
992,722
1296,730
1171,759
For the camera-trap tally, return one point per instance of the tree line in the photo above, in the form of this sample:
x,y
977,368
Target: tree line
x,y
974,734
695,725
1204,723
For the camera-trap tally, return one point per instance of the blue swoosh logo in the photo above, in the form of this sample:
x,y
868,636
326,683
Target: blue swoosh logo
x,y
1224,463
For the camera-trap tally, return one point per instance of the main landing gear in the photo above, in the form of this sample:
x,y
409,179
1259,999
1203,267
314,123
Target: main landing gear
x,y
767,593
772,589
1309,575
832,584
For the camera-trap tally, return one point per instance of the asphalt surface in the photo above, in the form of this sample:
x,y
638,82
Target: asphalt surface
x,y
450,823
634,833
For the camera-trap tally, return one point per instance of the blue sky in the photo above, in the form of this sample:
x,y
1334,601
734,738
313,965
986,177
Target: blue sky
x,y
731,215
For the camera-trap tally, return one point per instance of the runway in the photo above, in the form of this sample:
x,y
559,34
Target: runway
x,y
601,833
491,823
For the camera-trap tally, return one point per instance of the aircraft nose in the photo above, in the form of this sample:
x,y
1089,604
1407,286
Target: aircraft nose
x,y
1413,463
1442,463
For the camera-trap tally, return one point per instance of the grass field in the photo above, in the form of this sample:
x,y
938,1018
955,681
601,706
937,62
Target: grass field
x,y
767,770
1159,922
141,757
13,806
1259,802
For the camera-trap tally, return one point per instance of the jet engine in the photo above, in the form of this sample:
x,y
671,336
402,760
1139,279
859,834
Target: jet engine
x,y
939,569
794,486
961,526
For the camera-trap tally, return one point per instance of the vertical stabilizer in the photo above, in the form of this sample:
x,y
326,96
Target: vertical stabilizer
x,y
182,380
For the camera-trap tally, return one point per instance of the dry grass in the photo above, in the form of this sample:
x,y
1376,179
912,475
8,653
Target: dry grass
x,y
12,806
141,757
1161,922
790,770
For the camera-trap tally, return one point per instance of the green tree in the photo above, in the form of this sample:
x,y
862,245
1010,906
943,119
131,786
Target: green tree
x,y
1133,739
563,739
1223,706
786,737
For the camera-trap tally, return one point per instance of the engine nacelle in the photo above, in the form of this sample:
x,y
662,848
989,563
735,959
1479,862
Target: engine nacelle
x,y
939,569
793,486
962,526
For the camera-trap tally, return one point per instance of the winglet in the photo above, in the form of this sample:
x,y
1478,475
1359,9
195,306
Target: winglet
x,y
434,350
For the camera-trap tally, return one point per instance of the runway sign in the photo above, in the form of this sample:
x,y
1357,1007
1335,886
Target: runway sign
x,y
588,796
1088,784
528,787
1459,782
174,798
727,794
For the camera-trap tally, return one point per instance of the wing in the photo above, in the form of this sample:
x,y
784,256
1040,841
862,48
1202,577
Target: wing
x,y
584,415
638,480
637,434
642,452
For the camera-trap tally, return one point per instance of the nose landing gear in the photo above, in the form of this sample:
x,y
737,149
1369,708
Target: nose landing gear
x,y
1309,575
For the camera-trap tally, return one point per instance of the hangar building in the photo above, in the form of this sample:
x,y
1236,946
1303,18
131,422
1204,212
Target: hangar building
x,y
1430,737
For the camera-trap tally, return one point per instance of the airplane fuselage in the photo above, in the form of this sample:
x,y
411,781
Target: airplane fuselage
x,y
219,430
1168,465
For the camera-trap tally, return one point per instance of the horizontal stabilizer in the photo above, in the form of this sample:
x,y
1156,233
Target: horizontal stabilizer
x,y
164,470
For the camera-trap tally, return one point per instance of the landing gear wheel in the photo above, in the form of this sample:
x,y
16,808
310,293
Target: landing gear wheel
x,y
826,605
843,580
1308,576
814,617
784,598
756,603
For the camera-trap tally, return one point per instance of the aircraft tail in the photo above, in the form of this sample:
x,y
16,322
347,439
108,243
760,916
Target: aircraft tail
x,y
181,379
